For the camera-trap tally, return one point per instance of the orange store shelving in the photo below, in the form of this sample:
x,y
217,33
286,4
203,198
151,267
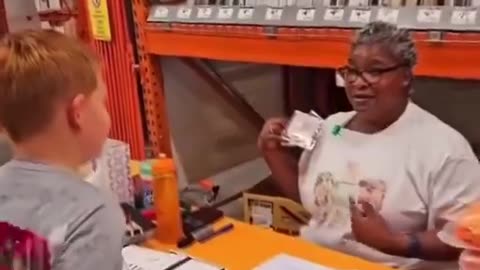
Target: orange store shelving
x,y
455,56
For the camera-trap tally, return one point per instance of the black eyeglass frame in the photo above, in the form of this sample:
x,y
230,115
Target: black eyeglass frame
x,y
376,73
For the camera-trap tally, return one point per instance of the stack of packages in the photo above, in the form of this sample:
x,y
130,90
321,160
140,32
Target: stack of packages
x,y
464,234
111,171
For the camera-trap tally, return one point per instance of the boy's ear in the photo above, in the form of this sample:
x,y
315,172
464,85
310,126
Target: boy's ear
x,y
75,111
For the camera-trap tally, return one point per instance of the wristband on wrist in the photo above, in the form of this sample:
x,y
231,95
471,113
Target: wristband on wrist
x,y
414,249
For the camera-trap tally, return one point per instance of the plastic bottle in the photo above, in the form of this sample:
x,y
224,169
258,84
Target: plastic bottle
x,y
146,176
166,201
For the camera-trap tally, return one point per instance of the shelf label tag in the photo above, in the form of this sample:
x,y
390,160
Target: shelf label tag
x,y
225,13
245,13
204,12
306,14
464,17
184,13
389,15
360,15
429,15
358,3
334,14
274,14
161,12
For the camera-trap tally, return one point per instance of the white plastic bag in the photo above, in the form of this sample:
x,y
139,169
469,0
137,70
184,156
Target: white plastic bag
x,y
302,130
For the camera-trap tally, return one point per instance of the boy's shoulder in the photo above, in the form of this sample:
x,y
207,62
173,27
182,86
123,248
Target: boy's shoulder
x,y
41,197
74,216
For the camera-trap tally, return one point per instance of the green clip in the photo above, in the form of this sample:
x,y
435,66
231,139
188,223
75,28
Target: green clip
x,y
336,130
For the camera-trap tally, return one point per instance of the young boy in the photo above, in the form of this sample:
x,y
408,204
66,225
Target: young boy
x,y
52,107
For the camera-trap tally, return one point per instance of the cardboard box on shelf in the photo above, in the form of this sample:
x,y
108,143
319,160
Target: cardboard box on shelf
x,y
266,207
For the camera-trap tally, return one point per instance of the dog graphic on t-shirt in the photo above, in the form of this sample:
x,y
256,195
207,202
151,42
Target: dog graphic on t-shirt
x,y
333,195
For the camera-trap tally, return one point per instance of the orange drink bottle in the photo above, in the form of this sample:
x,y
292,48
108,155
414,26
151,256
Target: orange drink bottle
x,y
166,201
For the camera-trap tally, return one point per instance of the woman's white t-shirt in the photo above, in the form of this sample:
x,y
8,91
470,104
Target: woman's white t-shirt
x,y
418,173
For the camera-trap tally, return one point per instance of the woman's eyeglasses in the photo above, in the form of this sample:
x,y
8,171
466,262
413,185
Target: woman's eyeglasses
x,y
371,76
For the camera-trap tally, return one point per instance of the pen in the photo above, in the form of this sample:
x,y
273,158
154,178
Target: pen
x,y
212,234
178,264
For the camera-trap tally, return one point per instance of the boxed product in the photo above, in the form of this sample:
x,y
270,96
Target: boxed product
x,y
266,207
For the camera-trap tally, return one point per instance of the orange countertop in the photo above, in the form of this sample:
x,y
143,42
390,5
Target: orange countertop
x,y
248,246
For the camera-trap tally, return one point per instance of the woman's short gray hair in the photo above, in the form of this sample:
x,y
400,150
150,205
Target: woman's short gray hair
x,y
395,39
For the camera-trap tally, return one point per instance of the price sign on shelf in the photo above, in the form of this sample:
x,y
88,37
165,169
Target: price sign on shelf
x,y
274,14
225,13
464,17
184,13
306,14
429,15
161,12
334,14
358,3
360,16
245,13
204,13
389,15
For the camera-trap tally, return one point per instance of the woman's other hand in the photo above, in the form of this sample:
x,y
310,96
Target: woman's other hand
x,y
270,138
370,228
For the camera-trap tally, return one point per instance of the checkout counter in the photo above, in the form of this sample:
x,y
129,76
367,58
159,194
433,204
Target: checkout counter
x,y
247,246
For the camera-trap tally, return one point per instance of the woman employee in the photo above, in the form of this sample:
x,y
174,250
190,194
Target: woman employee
x,y
383,179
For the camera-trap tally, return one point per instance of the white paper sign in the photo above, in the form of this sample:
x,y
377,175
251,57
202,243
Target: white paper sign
x,y
184,13
161,12
288,262
429,15
225,13
245,13
333,14
389,15
204,12
464,17
360,16
306,14
274,14
358,3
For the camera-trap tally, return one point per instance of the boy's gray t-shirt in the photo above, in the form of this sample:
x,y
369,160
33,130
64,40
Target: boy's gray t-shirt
x,y
83,226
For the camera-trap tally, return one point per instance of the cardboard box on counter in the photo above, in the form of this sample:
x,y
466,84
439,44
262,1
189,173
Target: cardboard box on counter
x,y
265,206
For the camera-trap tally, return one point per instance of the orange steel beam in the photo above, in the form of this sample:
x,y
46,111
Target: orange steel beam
x,y
456,56
82,22
152,84
258,50
118,60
